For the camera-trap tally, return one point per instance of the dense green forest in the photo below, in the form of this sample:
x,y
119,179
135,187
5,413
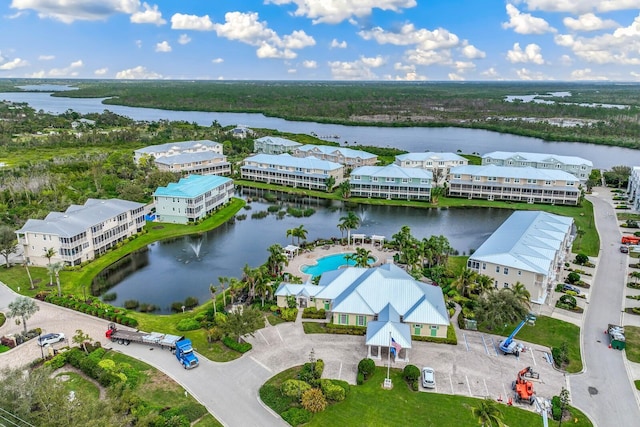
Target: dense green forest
x,y
463,104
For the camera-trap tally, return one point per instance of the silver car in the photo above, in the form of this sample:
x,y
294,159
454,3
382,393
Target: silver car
x,y
428,377
50,339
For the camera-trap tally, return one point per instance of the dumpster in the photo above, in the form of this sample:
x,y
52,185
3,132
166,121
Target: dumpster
x,y
616,337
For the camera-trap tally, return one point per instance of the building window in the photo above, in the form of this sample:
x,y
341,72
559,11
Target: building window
x,y
343,319
506,270
519,272
361,320
497,269
374,179
456,176
516,180
507,180
484,265
356,177
505,285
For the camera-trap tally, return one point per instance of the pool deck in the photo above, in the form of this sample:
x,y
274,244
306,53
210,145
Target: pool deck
x,y
309,258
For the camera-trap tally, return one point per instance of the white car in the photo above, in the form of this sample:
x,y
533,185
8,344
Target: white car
x,y
428,377
50,339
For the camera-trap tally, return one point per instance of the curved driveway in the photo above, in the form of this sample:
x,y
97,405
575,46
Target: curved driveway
x,y
604,389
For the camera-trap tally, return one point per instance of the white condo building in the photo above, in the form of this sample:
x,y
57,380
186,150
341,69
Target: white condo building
x,y
438,163
633,188
576,166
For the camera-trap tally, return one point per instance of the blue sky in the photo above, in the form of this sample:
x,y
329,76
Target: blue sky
x,y
440,40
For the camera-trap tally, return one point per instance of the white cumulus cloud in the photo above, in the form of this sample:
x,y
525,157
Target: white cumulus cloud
x,y
586,74
246,28
531,53
490,72
359,69
13,64
409,35
180,21
472,52
150,15
336,11
455,77
137,73
217,60
163,46
581,6
588,22
309,64
45,57
101,71
68,11
340,45
525,74
184,39
525,23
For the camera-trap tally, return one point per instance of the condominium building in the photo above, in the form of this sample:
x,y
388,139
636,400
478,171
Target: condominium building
x,y
438,163
391,182
80,233
192,198
285,169
201,163
344,156
633,188
521,184
174,148
529,247
274,145
576,166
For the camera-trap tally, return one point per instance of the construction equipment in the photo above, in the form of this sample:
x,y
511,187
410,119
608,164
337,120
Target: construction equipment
x,y
523,388
509,346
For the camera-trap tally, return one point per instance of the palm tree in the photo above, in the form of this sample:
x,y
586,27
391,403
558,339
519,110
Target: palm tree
x,y
262,288
484,284
522,293
56,268
330,182
635,275
212,289
349,222
488,414
291,232
276,259
300,233
361,257
342,228
26,267
223,281
345,189
465,283
49,253
579,233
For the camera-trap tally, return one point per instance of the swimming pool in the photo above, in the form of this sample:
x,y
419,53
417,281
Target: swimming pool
x,y
328,263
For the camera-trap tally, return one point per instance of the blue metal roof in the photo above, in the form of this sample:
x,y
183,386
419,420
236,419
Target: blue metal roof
x,y
332,149
527,172
191,186
290,161
392,171
430,155
182,158
182,145
537,157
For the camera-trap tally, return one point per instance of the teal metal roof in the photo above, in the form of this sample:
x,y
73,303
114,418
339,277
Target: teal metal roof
x,y
191,186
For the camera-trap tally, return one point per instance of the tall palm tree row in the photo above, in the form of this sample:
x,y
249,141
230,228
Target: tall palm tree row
x,y
349,222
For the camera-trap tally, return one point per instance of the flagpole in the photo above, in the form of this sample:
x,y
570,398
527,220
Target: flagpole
x,y
389,356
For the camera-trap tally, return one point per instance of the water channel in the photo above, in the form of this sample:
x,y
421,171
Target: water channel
x,y
410,139
170,271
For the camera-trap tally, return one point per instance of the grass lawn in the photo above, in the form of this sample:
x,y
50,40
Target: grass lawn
x,y
207,421
456,264
371,405
72,381
632,334
314,327
551,333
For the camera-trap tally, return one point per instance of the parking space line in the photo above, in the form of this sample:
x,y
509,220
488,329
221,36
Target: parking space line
x,y
493,344
468,386
259,363
506,398
451,382
278,331
265,340
340,371
486,389
485,344
533,357
465,341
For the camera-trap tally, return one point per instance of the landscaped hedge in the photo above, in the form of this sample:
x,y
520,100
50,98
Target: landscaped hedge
x,y
94,308
241,347
188,324
346,329
313,313
3,319
450,339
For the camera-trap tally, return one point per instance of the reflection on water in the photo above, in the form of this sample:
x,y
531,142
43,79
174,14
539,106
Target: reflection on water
x,y
169,271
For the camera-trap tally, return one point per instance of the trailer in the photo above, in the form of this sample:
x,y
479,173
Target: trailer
x,y
617,339
179,345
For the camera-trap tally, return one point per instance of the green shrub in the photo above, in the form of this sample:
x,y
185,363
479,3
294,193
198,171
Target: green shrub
x,y
191,302
318,369
56,362
568,300
289,314
360,378
188,324
273,398
313,313
366,367
294,388
177,306
332,391
313,400
346,329
131,304
193,411
581,259
573,278
411,373
111,296
241,347
296,416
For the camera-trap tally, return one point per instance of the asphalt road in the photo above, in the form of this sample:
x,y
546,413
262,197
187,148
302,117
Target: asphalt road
x,y
604,390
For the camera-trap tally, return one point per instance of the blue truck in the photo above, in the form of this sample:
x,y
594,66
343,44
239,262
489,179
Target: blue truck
x,y
179,345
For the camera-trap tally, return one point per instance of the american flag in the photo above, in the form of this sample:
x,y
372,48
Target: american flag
x,y
395,347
